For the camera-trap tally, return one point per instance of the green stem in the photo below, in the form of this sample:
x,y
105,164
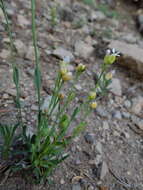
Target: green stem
x,y
55,98
58,85
34,39
34,35
68,99
8,26
14,67
100,76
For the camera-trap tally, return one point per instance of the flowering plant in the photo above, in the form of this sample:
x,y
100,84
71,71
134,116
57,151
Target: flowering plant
x,y
45,149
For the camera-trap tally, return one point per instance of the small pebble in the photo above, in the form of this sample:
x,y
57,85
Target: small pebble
x,y
127,104
34,108
90,188
78,87
126,115
99,148
76,187
5,96
105,125
89,138
62,181
104,170
125,134
117,115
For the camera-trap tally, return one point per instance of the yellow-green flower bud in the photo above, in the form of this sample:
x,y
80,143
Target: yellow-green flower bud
x,y
63,68
61,96
63,71
67,76
92,95
93,105
108,76
109,59
81,67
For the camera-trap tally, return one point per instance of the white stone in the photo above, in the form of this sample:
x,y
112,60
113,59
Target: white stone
x,y
117,115
34,107
21,48
97,16
127,135
76,187
99,147
22,21
63,53
105,125
5,96
132,55
4,54
83,49
11,92
137,106
127,104
140,124
104,170
115,87
78,87
30,53
130,38
62,181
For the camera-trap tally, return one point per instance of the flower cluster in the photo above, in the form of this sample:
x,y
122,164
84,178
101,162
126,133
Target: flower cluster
x,y
66,75
80,68
92,97
110,56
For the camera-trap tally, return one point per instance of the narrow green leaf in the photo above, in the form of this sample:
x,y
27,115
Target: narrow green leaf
x,y
45,144
14,129
2,131
75,112
37,77
16,76
33,153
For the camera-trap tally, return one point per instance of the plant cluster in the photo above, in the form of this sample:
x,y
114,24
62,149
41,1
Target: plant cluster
x,y
41,152
108,11
89,2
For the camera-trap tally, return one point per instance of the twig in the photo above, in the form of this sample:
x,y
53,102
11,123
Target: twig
x,y
122,182
5,177
5,110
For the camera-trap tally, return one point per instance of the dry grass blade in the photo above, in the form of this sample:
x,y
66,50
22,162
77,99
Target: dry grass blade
x,y
123,182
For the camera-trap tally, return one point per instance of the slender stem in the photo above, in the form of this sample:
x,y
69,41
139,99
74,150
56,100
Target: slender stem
x,y
36,51
56,98
8,26
14,67
34,35
101,74
55,92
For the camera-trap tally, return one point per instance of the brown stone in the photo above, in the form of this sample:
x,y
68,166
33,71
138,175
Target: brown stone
x,y
132,57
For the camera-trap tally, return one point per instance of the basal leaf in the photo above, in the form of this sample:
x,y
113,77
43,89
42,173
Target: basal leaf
x,y
16,76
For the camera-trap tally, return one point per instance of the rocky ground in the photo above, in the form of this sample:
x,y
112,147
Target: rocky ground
x,y
109,154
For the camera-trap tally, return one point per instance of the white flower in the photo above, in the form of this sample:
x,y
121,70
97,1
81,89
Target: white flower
x,y
112,52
